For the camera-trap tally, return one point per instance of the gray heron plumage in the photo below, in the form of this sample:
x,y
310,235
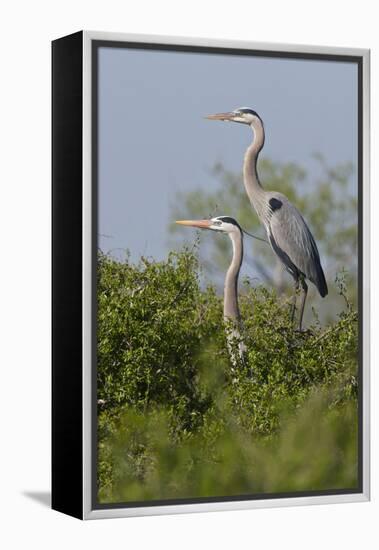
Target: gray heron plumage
x,y
231,227
287,232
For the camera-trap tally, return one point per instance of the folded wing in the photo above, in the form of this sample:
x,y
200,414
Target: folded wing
x,y
293,242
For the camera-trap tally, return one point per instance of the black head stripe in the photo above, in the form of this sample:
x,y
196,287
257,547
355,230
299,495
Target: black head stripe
x,y
227,219
248,111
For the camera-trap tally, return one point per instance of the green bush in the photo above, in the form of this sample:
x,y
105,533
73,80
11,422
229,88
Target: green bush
x,y
177,419
315,450
153,320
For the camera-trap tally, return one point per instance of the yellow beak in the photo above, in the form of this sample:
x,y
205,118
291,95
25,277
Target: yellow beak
x,y
221,116
203,224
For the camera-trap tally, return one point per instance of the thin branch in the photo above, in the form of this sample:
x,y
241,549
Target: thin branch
x,y
351,317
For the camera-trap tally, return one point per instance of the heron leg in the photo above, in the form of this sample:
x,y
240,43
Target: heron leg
x,y
293,306
304,287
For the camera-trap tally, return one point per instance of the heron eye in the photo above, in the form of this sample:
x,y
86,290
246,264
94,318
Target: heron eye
x,y
217,222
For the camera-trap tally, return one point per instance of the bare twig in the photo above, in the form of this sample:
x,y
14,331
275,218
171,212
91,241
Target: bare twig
x,y
351,317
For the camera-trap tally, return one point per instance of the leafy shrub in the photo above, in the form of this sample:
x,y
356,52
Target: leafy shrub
x,y
316,450
152,322
178,419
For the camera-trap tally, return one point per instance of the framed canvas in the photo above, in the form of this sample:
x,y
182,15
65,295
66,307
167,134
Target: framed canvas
x,y
220,362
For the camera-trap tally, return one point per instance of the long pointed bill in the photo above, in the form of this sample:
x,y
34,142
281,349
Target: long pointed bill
x,y
221,116
203,224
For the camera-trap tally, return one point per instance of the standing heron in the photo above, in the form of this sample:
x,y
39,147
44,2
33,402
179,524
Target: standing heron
x,y
288,234
231,227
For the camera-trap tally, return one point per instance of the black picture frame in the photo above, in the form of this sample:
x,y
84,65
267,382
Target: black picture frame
x,y
74,232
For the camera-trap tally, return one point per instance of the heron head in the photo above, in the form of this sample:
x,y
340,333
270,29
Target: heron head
x,y
225,224
243,115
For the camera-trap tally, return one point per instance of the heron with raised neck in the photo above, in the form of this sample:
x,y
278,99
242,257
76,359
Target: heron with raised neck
x,y
287,231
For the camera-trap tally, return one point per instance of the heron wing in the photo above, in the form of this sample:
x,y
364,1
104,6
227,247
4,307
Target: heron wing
x,y
292,240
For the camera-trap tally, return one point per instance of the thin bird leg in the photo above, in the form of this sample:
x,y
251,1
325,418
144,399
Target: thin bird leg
x,y
293,307
303,298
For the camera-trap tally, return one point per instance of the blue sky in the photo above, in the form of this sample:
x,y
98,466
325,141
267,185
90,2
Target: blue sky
x,y
154,141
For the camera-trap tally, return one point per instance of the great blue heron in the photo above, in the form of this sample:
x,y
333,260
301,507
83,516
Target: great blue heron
x,y
231,227
287,231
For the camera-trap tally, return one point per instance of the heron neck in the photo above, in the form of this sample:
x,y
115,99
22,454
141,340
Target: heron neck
x,y
253,187
231,309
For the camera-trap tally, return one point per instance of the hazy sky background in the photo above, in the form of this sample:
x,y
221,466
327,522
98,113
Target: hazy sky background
x,y
154,141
